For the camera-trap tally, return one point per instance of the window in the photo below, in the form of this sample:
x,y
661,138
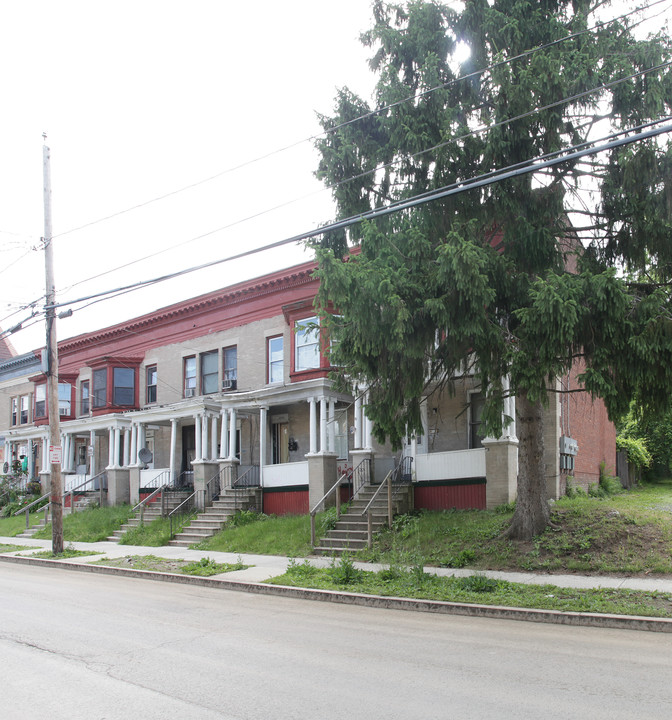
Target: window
x,y
230,368
307,346
15,411
123,389
209,372
100,388
189,377
341,434
152,377
64,399
24,410
40,401
476,401
84,402
276,362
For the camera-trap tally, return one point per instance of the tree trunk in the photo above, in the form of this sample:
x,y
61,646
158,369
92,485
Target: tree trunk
x,y
532,514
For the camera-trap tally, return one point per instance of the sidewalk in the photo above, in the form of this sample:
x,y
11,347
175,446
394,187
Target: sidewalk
x,y
264,567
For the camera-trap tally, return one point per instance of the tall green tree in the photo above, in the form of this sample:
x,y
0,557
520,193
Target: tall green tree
x,y
519,278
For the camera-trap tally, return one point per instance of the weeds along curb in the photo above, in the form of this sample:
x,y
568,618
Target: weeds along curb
x,y
556,617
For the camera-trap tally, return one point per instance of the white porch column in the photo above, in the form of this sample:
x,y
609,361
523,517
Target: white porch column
x,y
232,434
92,444
263,419
117,445
368,428
199,437
127,447
213,437
331,435
313,425
224,435
323,424
508,432
205,435
45,454
357,442
173,447
141,436
110,444
134,444
71,453
65,452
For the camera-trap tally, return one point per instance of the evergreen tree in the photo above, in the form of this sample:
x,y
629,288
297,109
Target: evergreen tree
x,y
496,277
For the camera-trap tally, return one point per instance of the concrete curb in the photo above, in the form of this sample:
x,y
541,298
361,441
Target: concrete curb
x,y
619,622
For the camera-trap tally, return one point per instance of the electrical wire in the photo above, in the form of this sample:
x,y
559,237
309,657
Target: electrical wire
x,y
532,165
438,146
377,111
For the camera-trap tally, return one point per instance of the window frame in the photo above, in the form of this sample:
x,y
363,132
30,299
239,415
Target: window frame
x,y
315,343
84,397
120,390
99,392
275,364
188,377
151,388
40,412
475,396
207,378
229,370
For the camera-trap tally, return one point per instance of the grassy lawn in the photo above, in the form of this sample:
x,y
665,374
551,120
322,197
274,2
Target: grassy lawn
x,y
155,533
205,567
414,583
11,526
91,525
287,535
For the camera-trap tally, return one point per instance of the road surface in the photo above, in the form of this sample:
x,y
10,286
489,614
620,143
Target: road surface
x,y
74,645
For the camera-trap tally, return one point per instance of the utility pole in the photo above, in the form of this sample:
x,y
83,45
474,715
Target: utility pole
x,y
55,449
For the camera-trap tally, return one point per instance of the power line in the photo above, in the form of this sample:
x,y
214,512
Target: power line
x,y
373,113
438,146
532,165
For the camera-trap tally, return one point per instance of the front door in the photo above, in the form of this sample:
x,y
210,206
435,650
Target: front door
x,y
280,443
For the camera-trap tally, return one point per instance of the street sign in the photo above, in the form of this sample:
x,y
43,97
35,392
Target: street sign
x,y
55,454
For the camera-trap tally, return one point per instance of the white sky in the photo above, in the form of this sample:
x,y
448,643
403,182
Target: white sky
x,y
140,98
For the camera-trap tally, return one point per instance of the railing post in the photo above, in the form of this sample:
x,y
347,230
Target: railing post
x,y
312,530
389,500
72,502
27,520
369,530
338,499
163,502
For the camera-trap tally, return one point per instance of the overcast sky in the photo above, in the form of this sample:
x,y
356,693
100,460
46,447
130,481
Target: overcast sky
x,y
140,98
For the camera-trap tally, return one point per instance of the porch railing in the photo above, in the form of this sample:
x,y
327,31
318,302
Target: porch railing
x,y
32,504
346,478
142,505
400,476
187,507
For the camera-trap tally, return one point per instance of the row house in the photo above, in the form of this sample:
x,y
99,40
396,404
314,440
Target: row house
x,y
237,381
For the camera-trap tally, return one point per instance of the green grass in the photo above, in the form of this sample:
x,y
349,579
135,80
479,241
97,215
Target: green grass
x,y
155,533
205,567
68,552
12,526
90,525
414,583
287,535
13,548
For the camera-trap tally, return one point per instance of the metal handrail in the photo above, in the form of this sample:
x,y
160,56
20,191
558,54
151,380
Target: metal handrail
x,y
27,509
71,492
143,503
347,475
174,512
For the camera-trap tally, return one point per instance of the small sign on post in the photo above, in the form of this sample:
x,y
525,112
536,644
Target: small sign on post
x,y
55,454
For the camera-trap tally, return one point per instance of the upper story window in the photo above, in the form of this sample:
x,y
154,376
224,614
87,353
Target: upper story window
x,y
100,388
116,385
189,376
123,390
307,344
25,410
209,372
152,381
64,399
40,401
230,368
15,411
276,359
84,399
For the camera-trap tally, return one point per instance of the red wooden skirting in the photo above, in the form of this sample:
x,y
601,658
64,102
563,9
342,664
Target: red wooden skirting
x,y
286,503
446,497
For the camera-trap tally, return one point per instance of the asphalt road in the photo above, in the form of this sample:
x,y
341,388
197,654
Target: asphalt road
x,y
74,645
